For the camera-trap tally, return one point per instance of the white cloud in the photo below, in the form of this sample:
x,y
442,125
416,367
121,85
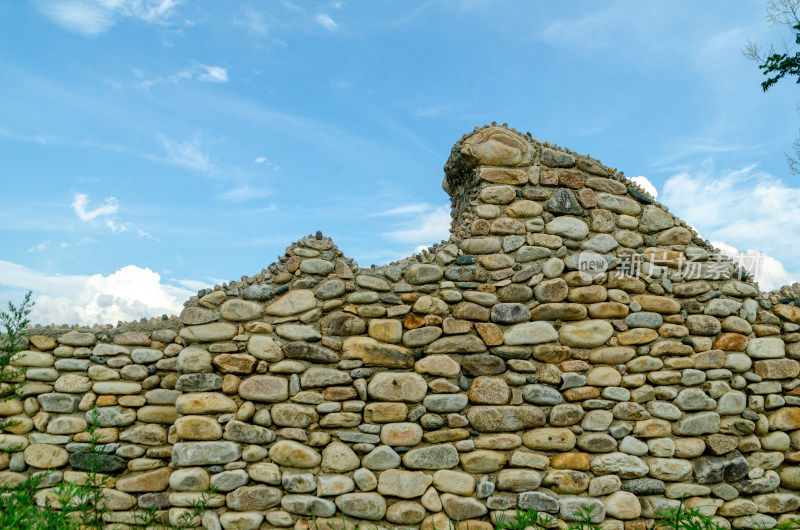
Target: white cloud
x,y
93,17
260,160
645,183
745,208
199,72
40,247
428,225
768,271
81,201
245,193
196,285
128,294
117,228
186,154
213,74
326,21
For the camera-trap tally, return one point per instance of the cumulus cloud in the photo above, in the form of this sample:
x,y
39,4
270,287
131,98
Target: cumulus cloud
x,y
645,183
80,202
745,208
93,17
326,21
768,271
128,294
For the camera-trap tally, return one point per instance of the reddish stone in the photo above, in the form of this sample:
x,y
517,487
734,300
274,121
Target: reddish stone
x,y
587,198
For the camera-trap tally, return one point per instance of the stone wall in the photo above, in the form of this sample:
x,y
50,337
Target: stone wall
x,y
490,372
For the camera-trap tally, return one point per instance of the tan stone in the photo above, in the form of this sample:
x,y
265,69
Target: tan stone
x,y
43,343
336,458
149,481
549,439
198,428
403,484
385,412
240,310
438,365
204,403
375,353
491,334
785,419
777,368
496,146
482,461
264,388
235,363
658,304
577,461
292,303
45,456
406,387
386,330
608,310
500,418
487,390
585,334
637,336
292,454
212,332
401,434
787,312
157,414
730,342
603,376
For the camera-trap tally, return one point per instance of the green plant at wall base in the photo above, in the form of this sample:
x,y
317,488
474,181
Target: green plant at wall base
x,y
74,505
81,505
14,321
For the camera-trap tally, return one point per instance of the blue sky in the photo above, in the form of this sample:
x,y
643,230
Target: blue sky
x,y
151,147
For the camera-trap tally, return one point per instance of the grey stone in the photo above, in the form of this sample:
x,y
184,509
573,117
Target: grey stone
x,y
539,501
541,395
441,456
510,313
728,468
644,486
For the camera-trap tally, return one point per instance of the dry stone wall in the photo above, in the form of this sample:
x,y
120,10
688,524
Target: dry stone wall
x,y
488,373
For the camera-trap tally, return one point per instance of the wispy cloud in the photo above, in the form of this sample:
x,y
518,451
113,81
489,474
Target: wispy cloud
x,y
40,247
246,193
200,72
213,74
93,17
81,201
326,21
187,154
107,211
